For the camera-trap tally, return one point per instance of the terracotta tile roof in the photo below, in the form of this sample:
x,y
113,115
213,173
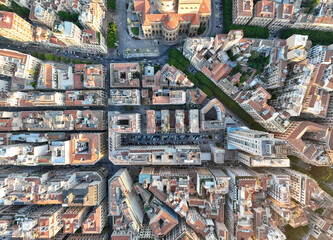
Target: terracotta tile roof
x,y
6,19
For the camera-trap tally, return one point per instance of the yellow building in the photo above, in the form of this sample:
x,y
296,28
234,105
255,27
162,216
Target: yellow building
x,y
15,28
167,19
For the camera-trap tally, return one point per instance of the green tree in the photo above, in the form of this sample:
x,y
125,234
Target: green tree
x,y
64,16
316,37
296,233
321,173
249,31
206,90
21,11
49,57
319,211
111,37
64,60
111,4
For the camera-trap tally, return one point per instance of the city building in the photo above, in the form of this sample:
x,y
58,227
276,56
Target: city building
x,y
73,218
151,124
212,116
309,141
41,15
68,33
93,41
194,121
284,13
255,103
303,188
124,200
264,13
48,120
195,96
92,16
89,76
96,220
125,75
242,11
297,48
55,76
66,187
172,77
124,123
21,67
125,97
169,19
168,97
15,28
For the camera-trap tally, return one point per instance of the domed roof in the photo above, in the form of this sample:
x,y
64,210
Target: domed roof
x,y
171,21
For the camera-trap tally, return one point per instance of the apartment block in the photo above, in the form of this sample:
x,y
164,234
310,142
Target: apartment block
x,y
123,200
309,141
264,13
45,38
254,142
89,76
242,11
242,187
283,16
166,191
255,104
194,121
73,218
320,54
212,116
55,148
195,96
22,67
31,99
48,120
125,75
303,189
68,33
124,123
86,187
92,16
41,15
297,48
152,155
55,76
93,41
172,77
30,222
125,97
15,28
90,190
49,224
168,97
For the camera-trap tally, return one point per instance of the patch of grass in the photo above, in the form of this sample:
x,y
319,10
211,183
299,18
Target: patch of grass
x,y
135,31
